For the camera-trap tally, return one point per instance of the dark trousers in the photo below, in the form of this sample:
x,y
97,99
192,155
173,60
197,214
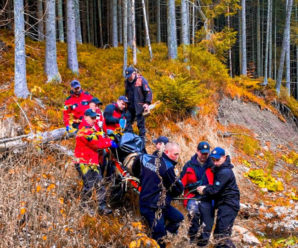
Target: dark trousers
x,y
201,213
159,227
92,178
226,216
131,116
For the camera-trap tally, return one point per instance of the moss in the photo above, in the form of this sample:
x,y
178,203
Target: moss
x,y
291,158
265,180
247,144
270,160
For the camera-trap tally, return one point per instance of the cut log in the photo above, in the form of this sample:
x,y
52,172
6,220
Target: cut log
x,y
22,141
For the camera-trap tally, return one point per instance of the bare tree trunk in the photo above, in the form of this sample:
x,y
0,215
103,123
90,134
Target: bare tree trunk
x,y
284,46
270,42
120,19
172,36
100,23
51,66
129,23
133,27
158,35
88,21
10,14
124,36
147,30
259,62
91,21
288,60
72,57
184,23
240,40
20,82
193,24
244,60
78,21
114,24
40,20
267,44
230,50
296,56
275,67
95,23
60,21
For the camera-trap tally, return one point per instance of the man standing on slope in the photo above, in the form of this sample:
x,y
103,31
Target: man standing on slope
x,y
139,97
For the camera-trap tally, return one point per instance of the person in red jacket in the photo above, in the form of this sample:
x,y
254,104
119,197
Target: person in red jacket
x,y
115,113
86,152
95,104
75,106
197,172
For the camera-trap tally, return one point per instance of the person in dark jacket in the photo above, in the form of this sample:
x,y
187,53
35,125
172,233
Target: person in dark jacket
x,y
160,143
159,185
226,194
197,172
115,113
139,96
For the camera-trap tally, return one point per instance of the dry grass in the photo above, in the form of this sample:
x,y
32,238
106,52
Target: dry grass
x,y
40,206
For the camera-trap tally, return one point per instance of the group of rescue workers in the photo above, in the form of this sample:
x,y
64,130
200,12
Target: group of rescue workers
x,y
207,179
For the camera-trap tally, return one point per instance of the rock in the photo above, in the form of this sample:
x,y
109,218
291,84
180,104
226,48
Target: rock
x,y
246,236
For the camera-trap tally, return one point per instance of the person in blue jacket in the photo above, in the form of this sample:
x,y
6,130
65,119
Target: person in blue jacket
x,y
159,185
226,194
139,96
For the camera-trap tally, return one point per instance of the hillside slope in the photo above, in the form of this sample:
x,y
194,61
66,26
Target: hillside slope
x,y
40,188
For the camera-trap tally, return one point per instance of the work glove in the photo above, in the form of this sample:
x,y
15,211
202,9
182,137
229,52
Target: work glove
x,y
122,123
110,132
113,144
68,128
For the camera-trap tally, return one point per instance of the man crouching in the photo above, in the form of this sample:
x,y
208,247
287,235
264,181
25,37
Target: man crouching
x,y
159,185
87,145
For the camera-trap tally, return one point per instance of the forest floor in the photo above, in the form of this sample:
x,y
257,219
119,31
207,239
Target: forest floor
x,y
39,186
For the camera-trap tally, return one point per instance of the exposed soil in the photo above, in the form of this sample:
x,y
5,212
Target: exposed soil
x,y
264,123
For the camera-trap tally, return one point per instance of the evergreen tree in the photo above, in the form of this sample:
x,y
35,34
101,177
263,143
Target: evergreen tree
x,y
71,38
172,36
20,82
51,67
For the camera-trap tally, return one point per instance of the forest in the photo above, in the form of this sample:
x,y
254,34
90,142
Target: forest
x,y
223,71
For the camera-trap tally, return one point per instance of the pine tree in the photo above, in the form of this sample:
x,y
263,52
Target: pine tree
x,y
20,82
115,24
147,29
40,26
284,46
71,38
124,35
243,39
60,21
78,21
172,37
51,67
